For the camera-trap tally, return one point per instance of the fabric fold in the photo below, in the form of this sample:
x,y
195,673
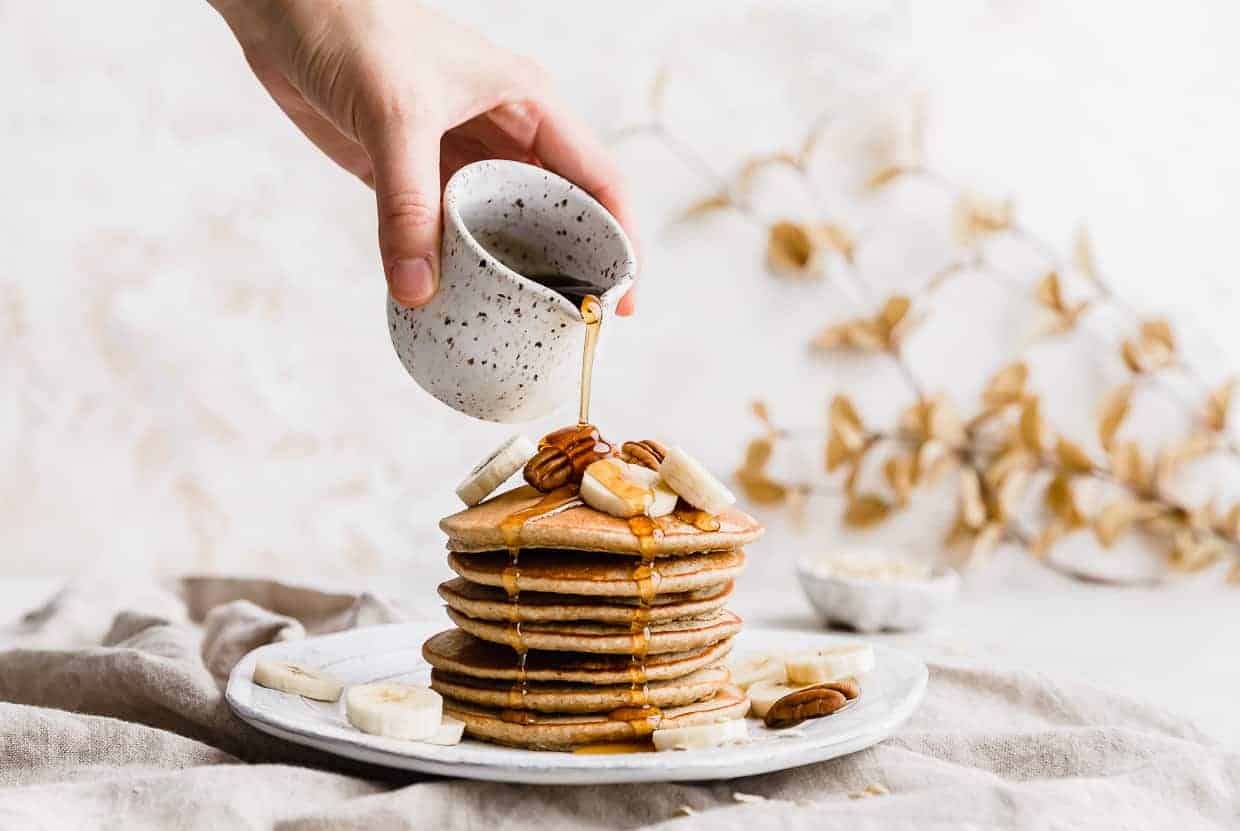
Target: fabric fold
x,y
134,732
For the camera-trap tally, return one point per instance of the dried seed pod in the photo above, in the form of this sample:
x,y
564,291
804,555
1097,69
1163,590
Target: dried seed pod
x,y
647,453
811,702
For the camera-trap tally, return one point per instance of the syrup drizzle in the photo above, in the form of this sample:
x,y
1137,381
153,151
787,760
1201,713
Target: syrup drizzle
x,y
511,528
646,578
592,314
609,748
583,445
699,519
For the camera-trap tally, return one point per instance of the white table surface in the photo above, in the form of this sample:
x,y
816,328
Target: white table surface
x,y
1175,645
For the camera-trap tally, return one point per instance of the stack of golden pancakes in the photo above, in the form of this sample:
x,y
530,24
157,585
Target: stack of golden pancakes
x,y
575,627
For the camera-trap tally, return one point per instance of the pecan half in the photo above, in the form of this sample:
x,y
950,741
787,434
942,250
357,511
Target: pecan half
x,y
647,453
549,469
811,702
563,456
849,687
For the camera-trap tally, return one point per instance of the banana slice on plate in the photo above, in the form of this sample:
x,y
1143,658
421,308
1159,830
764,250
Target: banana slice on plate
x,y
398,711
750,671
695,484
495,469
832,663
299,679
764,694
701,735
449,732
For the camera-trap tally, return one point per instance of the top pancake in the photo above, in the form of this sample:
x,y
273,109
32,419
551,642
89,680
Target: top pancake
x,y
585,529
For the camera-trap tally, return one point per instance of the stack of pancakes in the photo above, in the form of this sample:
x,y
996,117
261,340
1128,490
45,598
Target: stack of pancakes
x,y
575,627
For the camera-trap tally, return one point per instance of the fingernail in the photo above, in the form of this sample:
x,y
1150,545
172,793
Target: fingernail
x,y
412,282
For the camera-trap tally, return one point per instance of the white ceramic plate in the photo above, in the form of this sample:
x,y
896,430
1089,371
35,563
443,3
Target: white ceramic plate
x,y
889,695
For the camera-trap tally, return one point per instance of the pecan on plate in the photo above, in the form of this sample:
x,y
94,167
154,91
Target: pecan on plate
x,y
811,702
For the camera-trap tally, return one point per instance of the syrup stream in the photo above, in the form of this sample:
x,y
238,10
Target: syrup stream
x,y
511,528
592,314
583,444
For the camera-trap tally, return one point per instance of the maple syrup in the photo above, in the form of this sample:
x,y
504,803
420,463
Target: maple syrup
x,y
573,289
642,719
609,748
592,314
583,445
645,577
510,529
699,519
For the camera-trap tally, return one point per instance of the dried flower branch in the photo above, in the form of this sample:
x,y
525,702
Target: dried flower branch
x,y
1005,451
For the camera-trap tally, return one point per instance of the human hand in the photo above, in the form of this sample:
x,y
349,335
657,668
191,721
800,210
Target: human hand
x,y
401,97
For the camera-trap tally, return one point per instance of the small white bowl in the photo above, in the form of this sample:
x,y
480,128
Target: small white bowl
x,y
871,604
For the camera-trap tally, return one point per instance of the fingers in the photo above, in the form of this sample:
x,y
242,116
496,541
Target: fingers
x,y
405,161
565,145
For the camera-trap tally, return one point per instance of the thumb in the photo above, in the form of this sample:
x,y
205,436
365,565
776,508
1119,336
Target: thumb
x,y
405,164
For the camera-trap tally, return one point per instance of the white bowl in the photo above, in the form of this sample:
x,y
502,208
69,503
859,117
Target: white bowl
x,y
870,604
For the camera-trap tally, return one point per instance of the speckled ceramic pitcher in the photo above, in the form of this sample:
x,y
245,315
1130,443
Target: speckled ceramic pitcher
x,y
494,343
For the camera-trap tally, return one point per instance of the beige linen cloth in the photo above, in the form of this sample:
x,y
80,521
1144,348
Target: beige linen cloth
x,y
133,733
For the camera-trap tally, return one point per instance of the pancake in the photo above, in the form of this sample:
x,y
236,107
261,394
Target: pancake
x,y
491,603
584,529
586,636
582,698
563,732
460,653
585,573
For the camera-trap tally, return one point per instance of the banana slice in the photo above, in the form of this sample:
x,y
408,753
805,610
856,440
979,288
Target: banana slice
x,y
398,711
495,469
695,484
618,488
750,671
832,663
764,694
664,501
701,735
298,679
449,732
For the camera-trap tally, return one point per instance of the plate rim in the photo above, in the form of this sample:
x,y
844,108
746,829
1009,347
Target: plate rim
x,y
584,769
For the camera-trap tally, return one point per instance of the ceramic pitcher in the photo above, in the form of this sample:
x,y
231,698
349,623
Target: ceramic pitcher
x,y
495,343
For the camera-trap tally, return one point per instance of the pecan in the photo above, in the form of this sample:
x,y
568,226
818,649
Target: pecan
x,y
647,453
549,469
811,702
563,456
849,687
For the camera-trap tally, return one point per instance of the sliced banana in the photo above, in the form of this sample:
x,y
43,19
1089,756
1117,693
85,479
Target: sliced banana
x,y
695,484
299,679
449,732
832,663
764,694
662,498
495,469
618,488
398,711
750,671
701,735
664,501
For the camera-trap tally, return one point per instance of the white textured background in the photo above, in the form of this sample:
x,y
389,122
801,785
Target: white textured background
x,y
193,360
195,372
